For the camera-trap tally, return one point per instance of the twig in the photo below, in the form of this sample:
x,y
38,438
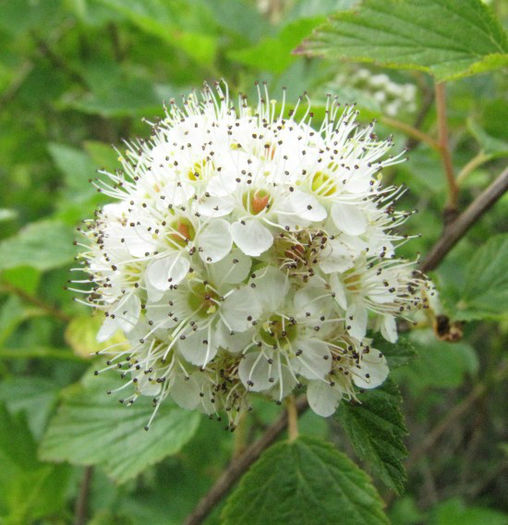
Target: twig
x,y
80,510
292,418
444,147
456,230
238,466
49,309
411,131
476,161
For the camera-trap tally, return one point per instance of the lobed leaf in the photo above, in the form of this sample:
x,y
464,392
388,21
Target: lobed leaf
x,y
446,38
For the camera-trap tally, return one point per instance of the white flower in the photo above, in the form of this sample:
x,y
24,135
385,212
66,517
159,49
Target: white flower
x,y
246,252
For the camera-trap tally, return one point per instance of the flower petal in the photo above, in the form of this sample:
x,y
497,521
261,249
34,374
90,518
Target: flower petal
x,y
349,218
241,308
389,328
198,347
356,320
233,269
307,207
373,370
255,372
171,269
251,237
215,241
323,399
314,361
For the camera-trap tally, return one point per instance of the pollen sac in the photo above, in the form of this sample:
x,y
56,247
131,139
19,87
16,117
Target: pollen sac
x,y
245,250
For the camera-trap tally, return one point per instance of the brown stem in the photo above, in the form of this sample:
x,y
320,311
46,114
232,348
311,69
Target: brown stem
x,y
49,309
239,465
456,230
444,147
292,418
80,510
411,131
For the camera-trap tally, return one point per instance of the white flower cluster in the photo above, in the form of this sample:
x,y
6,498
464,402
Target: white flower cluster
x,y
392,97
248,252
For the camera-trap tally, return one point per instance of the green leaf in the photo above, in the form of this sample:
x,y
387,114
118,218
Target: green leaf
x,y
77,169
491,146
29,489
485,292
7,215
376,430
439,364
397,354
42,245
33,395
446,38
104,157
92,428
274,54
454,511
306,481
182,24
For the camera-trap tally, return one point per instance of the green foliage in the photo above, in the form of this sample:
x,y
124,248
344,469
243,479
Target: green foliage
x,y
376,430
447,38
43,245
30,488
485,291
304,481
90,429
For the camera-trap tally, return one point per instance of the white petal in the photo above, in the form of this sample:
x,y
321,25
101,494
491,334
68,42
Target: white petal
x,y
215,206
107,330
349,218
147,387
373,370
286,383
255,372
251,237
389,328
323,399
215,241
314,362
199,347
233,269
185,392
127,313
356,319
171,269
336,257
138,243
236,342
272,287
307,206
339,291
241,308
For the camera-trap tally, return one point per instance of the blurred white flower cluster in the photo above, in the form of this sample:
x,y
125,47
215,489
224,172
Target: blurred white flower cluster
x,y
248,252
392,98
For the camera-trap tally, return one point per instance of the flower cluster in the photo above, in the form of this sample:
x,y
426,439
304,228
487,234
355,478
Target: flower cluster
x,y
248,252
392,97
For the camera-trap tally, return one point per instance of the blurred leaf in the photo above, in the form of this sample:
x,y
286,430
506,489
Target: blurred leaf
x,y
42,245
77,169
274,53
103,156
485,292
447,38
29,489
288,484
405,512
308,8
12,314
19,16
81,333
178,23
25,278
7,215
439,364
492,146
376,430
454,511
31,394
91,428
